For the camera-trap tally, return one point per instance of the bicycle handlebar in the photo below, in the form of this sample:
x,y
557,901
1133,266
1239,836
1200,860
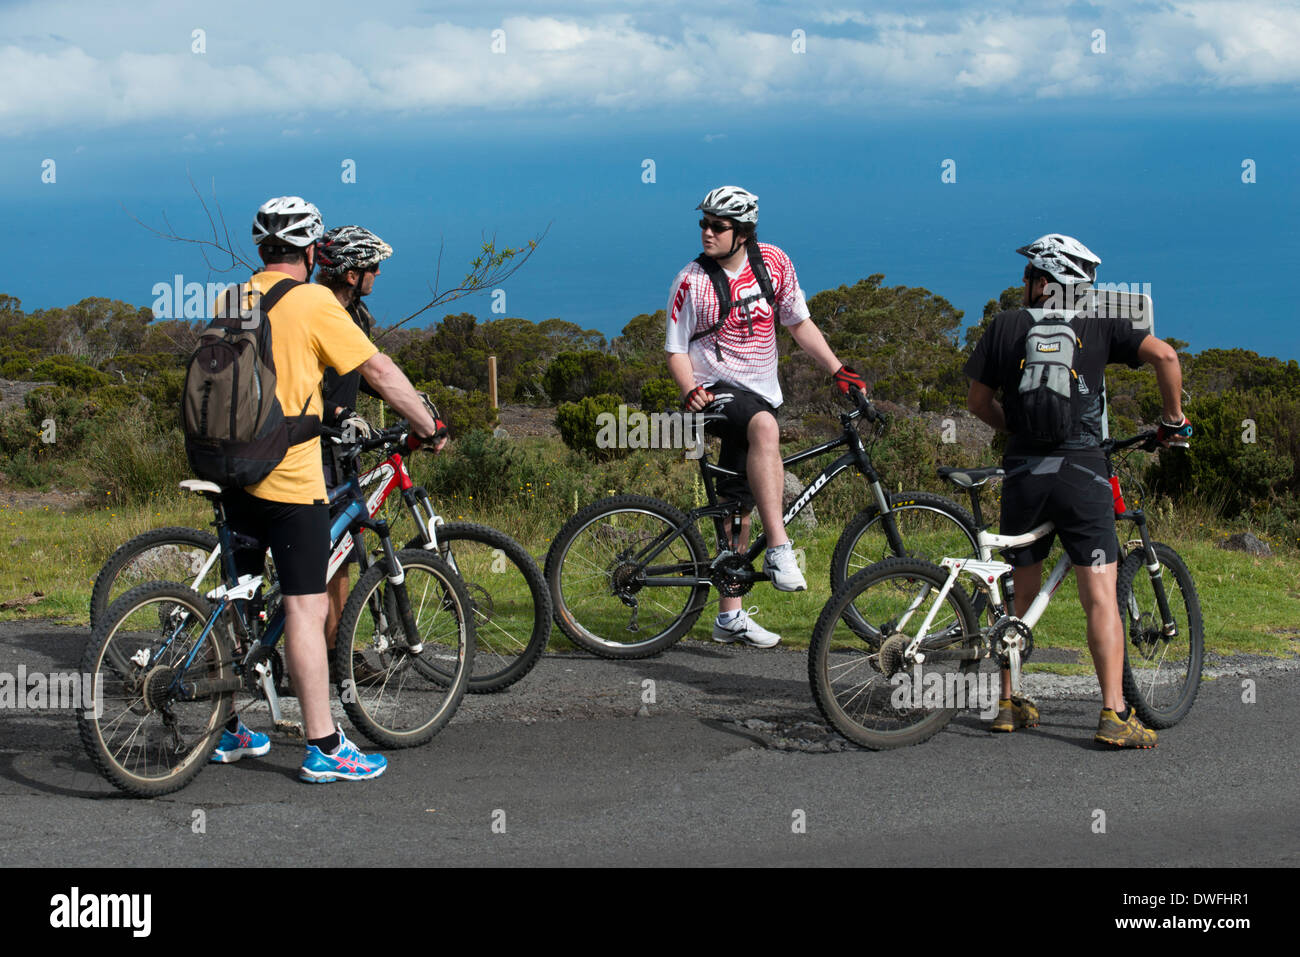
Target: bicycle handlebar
x,y
864,407
1146,440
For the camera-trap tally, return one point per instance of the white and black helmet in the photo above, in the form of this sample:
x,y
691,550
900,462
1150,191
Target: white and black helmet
x,y
350,247
1064,258
287,221
733,203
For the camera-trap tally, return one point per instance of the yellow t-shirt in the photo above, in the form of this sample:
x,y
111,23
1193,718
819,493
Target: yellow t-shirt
x,y
310,331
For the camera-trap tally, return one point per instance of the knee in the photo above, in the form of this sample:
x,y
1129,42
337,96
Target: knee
x,y
763,431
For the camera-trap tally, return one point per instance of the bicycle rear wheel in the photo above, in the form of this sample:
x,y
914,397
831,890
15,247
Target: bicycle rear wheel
x,y
597,571
396,697
1162,674
155,720
863,685
512,606
161,554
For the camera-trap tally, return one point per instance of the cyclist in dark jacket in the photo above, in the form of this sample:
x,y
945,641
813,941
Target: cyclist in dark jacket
x,y
348,259
1067,483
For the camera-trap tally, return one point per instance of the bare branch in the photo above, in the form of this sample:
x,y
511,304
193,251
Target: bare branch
x,y
490,268
205,245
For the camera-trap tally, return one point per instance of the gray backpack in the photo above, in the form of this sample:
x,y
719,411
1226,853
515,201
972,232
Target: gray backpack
x,y
1049,389
235,431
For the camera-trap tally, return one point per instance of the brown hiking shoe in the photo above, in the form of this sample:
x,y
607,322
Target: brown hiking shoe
x,y
1123,734
1015,712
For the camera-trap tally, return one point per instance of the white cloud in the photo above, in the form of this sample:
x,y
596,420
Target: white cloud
x,y
118,68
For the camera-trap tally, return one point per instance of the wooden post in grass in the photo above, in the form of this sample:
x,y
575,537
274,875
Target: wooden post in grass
x,y
492,379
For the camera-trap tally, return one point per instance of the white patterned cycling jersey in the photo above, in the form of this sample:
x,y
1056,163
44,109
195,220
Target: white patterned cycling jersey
x,y
747,340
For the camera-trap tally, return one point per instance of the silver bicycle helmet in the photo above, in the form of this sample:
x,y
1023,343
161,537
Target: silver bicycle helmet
x,y
287,221
731,202
1064,258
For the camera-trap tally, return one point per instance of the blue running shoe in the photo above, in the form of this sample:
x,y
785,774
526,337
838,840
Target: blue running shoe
x,y
347,764
244,741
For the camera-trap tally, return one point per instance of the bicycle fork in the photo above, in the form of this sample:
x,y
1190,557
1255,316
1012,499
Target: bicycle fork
x,y
1168,626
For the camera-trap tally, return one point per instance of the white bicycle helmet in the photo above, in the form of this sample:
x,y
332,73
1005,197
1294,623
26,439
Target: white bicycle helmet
x,y
1064,258
287,221
733,203
350,247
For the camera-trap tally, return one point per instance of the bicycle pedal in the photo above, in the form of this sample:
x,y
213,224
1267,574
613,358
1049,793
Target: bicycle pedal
x,y
290,729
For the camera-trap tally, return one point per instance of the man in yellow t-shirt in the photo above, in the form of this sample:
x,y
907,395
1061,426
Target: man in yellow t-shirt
x,y
288,510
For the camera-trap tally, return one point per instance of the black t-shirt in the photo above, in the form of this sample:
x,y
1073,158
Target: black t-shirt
x,y
342,390
998,355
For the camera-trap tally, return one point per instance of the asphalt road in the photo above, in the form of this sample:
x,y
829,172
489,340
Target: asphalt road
x,y
730,765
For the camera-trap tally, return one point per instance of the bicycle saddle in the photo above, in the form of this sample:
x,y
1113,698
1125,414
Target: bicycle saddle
x,y
203,488
970,478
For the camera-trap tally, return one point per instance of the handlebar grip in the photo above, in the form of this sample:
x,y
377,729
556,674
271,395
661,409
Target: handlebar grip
x,y
864,405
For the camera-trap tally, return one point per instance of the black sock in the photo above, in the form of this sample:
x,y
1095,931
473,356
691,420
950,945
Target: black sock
x,y
233,724
327,744
1123,715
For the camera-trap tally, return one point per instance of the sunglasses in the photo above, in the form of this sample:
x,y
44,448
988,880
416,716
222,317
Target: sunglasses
x,y
715,226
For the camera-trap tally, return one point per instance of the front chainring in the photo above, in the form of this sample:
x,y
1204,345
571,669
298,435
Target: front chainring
x,y
996,633
725,576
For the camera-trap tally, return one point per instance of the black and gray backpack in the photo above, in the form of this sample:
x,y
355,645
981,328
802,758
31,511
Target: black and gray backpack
x,y
1049,384
722,287
235,430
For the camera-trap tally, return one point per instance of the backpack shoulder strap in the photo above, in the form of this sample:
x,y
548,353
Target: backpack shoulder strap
x,y
721,286
759,268
277,292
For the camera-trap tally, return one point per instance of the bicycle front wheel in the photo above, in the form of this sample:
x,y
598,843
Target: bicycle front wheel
x,y
613,597
512,607
157,715
863,684
1162,673
162,554
931,528
400,689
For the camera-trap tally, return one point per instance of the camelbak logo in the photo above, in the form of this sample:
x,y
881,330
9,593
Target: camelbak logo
x,y
1049,347
804,499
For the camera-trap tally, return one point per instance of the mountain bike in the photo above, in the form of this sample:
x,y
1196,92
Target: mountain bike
x,y
167,662
512,606
901,614
629,575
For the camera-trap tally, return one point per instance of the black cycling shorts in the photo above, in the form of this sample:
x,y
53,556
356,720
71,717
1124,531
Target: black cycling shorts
x,y
739,405
1071,491
298,536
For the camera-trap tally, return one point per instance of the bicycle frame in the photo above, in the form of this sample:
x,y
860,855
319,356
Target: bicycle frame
x,y
855,457
353,514
392,475
988,574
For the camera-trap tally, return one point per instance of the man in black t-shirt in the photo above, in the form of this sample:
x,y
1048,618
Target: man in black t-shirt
x,y
1067,482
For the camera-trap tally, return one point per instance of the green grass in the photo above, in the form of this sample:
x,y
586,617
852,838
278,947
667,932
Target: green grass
x,y
1250,605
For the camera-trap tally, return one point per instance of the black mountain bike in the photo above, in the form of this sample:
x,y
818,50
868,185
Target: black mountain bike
x,y
629,575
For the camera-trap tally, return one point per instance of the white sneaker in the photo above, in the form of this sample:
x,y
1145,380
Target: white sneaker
x,y
743,628
780,565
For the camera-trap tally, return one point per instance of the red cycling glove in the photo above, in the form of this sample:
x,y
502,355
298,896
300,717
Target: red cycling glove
x,y
846,378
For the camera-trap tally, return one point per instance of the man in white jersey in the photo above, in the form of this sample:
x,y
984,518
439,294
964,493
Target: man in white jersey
x,y
722,355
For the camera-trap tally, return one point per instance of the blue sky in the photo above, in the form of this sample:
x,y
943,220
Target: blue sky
x,y
838,119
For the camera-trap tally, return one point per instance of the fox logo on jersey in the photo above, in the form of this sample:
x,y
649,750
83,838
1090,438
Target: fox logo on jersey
x,y
683,291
